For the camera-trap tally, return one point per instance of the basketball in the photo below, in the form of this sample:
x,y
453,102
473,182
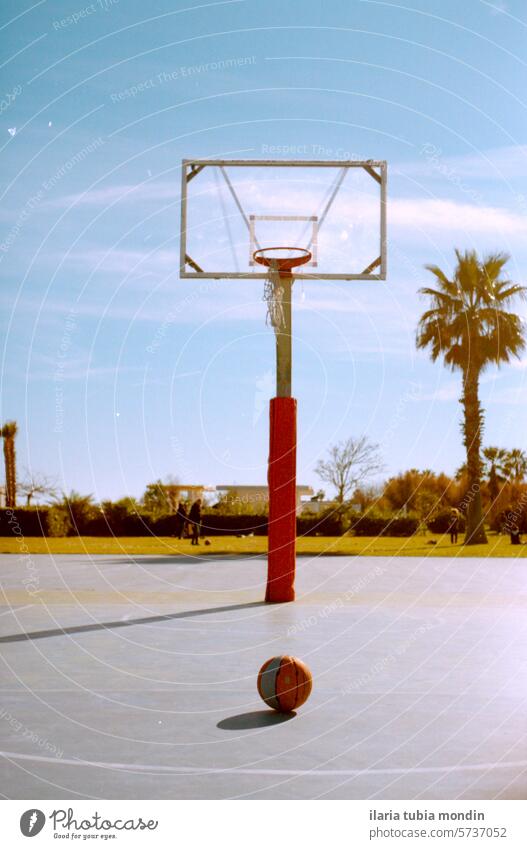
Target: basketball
x,y
284,683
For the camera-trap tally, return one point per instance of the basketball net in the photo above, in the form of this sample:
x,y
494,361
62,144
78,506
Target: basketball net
x,y
274,296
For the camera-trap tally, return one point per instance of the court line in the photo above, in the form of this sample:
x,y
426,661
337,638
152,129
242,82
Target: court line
x,y
16,609
194,770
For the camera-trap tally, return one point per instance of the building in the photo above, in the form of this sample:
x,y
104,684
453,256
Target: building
x,y
177,492
254,497
257,497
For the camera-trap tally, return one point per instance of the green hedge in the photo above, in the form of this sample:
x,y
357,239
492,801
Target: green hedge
x,y
24,521
56,521
117,521
376,526
327,525
218,525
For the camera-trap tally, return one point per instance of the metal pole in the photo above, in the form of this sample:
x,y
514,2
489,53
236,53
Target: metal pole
x,y
282,466
284,341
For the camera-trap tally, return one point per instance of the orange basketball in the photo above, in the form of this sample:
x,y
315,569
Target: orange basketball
x,y
284,683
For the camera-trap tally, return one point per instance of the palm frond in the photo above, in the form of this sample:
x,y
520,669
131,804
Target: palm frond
x,y
514,290
9,430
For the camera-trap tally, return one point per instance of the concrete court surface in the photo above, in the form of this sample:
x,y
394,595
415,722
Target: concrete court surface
x,y
139,679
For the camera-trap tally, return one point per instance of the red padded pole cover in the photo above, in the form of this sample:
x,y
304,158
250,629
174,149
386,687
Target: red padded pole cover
x,y
282,501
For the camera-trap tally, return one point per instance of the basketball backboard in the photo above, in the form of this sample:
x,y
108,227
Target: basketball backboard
x,y
335,210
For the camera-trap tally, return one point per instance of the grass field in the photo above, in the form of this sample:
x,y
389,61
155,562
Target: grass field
x,y
417,546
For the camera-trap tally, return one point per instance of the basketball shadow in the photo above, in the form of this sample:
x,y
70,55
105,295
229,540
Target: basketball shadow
x,y
254,719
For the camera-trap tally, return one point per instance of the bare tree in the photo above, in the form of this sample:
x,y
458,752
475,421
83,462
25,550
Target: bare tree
x,y
35,484
349,463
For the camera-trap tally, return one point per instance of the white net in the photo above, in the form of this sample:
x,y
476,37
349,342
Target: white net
x,y
274,298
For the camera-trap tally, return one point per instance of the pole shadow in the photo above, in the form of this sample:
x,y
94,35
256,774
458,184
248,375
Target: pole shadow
x,y
127,623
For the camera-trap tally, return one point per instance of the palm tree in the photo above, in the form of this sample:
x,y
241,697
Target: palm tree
x,y
469,326
80,508
516,464
8,432
496,469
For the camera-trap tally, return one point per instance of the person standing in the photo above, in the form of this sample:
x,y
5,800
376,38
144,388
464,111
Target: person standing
x,y
181,520
454,525
195,521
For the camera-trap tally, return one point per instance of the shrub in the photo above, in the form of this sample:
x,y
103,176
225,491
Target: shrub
x,y
161,526
115,517
329,524
376,526
58,522
80,510
118,519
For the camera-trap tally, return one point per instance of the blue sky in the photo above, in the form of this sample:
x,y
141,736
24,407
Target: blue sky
x,y
118,372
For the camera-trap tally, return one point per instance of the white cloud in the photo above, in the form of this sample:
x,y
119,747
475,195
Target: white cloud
x,y
448,216
437,218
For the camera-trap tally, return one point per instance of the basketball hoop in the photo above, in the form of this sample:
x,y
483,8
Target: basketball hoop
x,y
280,263
223,228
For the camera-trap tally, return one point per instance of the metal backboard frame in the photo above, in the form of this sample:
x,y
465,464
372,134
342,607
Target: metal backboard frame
x,y
190,168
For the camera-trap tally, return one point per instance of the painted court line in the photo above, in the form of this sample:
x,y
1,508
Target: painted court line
x,y
16,609
248,771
